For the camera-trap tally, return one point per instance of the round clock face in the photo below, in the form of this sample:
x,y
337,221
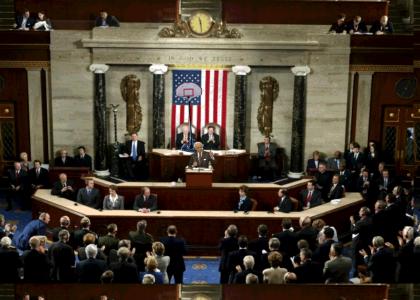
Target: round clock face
x,y
406,87
201,23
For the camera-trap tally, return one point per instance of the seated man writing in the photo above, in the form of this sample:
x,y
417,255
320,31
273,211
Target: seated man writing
x,y
200,158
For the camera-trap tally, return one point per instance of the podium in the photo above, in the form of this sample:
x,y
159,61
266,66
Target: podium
x,y
198,178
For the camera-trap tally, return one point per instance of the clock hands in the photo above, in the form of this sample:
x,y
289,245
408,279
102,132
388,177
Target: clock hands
x,y
201,25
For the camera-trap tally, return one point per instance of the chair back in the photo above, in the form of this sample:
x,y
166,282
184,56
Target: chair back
x,y
254,204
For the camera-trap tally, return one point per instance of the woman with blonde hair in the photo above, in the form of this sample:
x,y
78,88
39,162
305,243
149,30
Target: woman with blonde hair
x,y
151,268
162,260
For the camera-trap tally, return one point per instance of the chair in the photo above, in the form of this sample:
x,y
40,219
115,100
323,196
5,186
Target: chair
x,y
216,128
254,204
295,204
179,128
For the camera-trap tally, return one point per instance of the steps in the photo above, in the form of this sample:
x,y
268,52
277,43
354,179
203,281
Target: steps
x,y
202,292
7,14
7,292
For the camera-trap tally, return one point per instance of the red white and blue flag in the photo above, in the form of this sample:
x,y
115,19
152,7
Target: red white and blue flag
x,y
210,107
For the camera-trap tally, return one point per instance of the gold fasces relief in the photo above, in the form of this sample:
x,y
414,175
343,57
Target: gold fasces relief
x,y
269,88
182,28
130,92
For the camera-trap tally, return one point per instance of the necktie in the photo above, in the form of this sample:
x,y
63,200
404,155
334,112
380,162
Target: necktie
x,y
17,173
37,172
134,151
88,191
64,184
267,152
385,182
308,198
316,164
337,162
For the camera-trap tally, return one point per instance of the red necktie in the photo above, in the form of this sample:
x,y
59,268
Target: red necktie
x,y
308,198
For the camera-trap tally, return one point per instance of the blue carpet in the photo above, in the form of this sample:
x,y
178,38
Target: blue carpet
x,y
15,217
202,270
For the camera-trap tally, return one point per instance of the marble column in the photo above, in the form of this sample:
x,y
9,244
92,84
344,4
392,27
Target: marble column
x,y
298,121
100,130
364,93
158,71
239,122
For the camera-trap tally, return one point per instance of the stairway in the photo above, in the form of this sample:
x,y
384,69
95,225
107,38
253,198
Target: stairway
x,y
214,7
201,292
7,14
7,292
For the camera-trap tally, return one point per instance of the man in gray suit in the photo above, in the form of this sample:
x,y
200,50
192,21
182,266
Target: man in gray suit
x,y
113,200
89,195
337,269
267,158
200,158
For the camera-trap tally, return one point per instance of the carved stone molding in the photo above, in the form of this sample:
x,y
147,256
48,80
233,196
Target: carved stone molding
x,y
301,70
11,64
241,70
158,69
98,68
181,29
382,68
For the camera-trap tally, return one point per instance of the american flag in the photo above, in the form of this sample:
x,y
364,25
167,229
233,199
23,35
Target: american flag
x,y
209,108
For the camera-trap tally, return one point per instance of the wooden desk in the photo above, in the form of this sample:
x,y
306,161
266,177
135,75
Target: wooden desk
x,y
169,165
74,174
202,230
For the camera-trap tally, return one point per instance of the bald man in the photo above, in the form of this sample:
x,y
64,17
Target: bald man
x,y
200,158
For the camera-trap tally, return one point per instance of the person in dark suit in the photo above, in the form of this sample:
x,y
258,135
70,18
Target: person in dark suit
x,y
90,239
64,160
80,233
336,189
381,262
385,184
244,203
63,188
91,269
145,202
313,164
24,21
361,230
356,26
38,176
288,238
125,271
323,180
322,252
134,155
260,244
89,195
383,26
210,140
109,241
62,258
33,228
182,141
248,263
285,204
339,26
141,241
267,165
364,185
310,197
83,159
200,158
105,20
10,261
64,225
334,163
228,244
306,270
36,266
19,187
307,232
345,178
113,200
175,249
356,160
236,257
337,269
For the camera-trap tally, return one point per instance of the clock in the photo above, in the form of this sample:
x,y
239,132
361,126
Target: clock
x,y
201,23
405,88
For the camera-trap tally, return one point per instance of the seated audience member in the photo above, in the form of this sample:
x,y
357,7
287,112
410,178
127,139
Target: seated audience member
x,y
125,270
18,182
109,241
275,274
228,244
287,237
141,242
80,233
306,270
337,269
6,229
313,164
134,154
25,163
385,184
251,279
145,202
90,239
105,20
356,26
148,279
24,21
334,163
310,197
339,26
200,158
267,158
260,244
383,26
285,204
33,228
91,269
42,23
38,176
83,159
249,263
89,195
323,180
244,203
211,140
183,138
151,268
175,249
336,190
381,261
62,258
64,225
162,260
113,200
64,160
236,257
307,232
63,188
36,265
322,252
10,261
